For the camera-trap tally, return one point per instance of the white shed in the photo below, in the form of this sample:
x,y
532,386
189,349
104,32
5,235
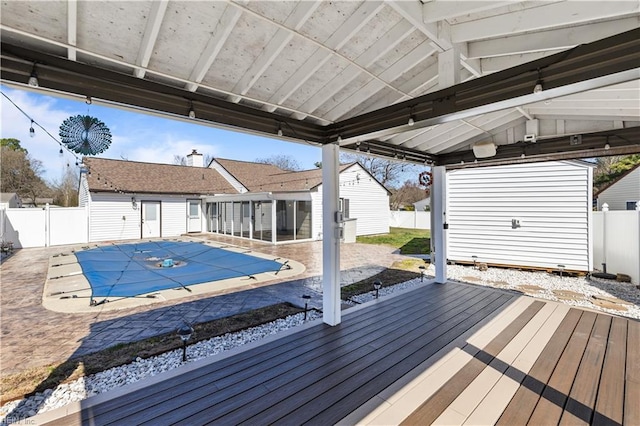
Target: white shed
x,y
623,193
535,215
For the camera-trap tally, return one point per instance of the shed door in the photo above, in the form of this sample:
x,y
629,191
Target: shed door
x,y
194,221
151,219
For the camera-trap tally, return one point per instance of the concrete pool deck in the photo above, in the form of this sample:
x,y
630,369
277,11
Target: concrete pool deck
x,y
32,335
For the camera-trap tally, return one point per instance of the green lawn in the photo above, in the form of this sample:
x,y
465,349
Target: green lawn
x,y
409,241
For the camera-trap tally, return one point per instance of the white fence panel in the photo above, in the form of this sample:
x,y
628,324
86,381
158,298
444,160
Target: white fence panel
x,y
616,242
68,226
25,227
407,219
42,227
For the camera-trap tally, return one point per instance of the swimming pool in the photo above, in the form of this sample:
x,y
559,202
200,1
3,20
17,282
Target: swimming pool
x,y
130,270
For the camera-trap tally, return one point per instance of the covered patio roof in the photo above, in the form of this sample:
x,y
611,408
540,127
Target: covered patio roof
x,y
414,80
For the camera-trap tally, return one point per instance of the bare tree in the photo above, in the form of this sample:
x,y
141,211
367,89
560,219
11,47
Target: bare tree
x,y
409,193
65,190
388,172
285,162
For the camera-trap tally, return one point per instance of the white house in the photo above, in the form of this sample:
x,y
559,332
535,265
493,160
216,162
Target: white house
x,y
535,215
130,200
9,200
422,205
623,193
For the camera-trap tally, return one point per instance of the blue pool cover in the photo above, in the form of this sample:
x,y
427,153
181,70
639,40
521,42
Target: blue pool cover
x,y
129,270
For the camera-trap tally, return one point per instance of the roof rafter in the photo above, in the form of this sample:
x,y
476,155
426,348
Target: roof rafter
x,y
72,28
154,21
383,45
350,27
434,11
417,55
553,39
228,21
546,16
295,20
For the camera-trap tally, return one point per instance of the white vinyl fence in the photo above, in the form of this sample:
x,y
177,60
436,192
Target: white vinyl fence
x,y
43,227
414,219
616,242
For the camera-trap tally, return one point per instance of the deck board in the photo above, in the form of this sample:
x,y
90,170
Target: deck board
x,y
582,398
610,404
431,409
466,353
554,396
526,398
632,387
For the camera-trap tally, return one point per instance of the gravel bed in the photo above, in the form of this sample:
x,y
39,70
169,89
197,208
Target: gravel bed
x,y
511,279
84,387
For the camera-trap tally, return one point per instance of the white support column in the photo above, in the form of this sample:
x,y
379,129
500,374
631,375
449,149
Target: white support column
x,y
330,235
439,221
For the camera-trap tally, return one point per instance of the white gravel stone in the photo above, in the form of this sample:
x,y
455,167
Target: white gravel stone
x,y
510,279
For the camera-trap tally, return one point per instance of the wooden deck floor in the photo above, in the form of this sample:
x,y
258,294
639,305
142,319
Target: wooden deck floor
x,y
443,354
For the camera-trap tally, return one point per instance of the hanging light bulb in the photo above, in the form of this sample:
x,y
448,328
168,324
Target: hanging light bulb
x,y
607,146
411,121
280,130
537,88
192,113
358,146
33,78
32,131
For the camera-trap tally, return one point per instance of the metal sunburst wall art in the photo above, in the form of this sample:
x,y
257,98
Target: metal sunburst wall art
x,y
84,134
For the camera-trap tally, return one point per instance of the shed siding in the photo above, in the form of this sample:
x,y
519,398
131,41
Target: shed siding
x,y
617,195
368,202
551,201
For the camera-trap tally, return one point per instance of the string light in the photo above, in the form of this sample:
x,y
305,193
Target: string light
x,y
33,78
32,131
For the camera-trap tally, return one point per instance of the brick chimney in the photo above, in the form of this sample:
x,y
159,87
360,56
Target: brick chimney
x,y
194,159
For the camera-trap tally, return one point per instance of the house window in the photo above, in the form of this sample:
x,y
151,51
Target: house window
x,y
631,205
194,209
343,206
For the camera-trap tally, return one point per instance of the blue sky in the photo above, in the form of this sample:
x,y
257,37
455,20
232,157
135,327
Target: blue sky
x,y
135,136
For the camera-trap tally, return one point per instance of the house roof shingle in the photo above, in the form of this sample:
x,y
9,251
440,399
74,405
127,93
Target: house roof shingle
x,y
5,197
105,175
258,177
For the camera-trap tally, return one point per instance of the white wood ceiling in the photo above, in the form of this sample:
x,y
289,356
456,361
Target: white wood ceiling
x,y
325,61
